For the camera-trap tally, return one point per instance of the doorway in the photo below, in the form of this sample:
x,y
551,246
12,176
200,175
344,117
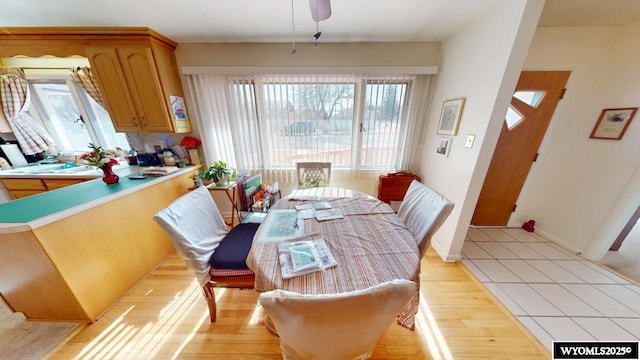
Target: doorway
x,y
534,101
623,257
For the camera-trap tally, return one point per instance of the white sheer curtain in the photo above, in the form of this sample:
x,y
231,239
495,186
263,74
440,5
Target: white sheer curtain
x,y
214,117
265,123
419,102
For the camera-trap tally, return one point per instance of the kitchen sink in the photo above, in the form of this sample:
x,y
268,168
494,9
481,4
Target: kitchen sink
x,y
72,170
50,169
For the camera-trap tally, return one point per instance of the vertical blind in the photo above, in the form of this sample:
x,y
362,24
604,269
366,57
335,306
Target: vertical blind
x,y
269,122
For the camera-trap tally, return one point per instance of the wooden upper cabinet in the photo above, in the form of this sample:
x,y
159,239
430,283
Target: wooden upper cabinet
x,y
135,68
146,90
113,85
134,90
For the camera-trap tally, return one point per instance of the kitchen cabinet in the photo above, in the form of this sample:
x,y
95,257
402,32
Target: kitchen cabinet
x,y
136,89
22,187
70,255
135,69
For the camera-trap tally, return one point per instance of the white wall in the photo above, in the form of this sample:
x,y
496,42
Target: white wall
x,y
581,191
481,63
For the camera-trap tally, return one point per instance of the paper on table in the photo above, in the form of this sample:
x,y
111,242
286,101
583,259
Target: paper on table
x,y
306,214
321,205
320,247
304,256
159,170
328,214
303,197
305,206
280,224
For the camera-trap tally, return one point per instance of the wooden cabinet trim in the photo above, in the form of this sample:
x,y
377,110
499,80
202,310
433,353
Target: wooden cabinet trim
x,y
65,42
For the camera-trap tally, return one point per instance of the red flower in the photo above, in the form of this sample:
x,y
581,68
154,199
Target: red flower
x,y
190,142
113,162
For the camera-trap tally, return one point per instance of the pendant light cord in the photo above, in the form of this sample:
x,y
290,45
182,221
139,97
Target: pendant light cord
x,y
293,31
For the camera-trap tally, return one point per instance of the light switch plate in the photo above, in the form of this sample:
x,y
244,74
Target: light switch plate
x,y
469,142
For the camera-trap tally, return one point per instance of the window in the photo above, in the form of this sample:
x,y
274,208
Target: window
x,y
72,117
355,122
531,98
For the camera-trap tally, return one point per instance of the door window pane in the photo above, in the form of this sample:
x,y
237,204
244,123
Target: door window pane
x,y
531,98
513,118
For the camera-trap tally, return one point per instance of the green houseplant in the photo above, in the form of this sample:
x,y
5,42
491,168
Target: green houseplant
x,y
218,172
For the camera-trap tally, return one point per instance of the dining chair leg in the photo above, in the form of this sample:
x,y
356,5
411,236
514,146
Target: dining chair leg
x,y
210,296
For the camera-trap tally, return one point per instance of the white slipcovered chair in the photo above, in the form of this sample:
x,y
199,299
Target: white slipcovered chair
x,y
216,255
335,326
423,210
313,174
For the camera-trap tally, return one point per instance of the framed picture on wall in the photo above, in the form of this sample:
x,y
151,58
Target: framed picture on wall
x,y
444,144
612,123
450,116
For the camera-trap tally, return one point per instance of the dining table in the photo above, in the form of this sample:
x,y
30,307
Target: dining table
x,y
369,242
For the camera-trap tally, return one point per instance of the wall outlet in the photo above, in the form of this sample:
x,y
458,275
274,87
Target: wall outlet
x,y
469,142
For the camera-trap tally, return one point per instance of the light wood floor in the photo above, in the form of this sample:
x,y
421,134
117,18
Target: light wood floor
x,y
165,317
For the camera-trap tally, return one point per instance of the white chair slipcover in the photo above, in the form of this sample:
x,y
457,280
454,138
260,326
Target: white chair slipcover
x,y
423,210
335,326
196,228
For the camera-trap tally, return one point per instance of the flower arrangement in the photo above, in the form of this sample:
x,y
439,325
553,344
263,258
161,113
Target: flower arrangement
x,y
190,142
99,157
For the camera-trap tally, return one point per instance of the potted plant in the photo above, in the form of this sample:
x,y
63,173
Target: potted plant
x,y
217,172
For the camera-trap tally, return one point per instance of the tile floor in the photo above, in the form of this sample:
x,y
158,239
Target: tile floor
x,y
556,294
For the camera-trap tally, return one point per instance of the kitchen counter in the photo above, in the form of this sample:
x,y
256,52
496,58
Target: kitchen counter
x,y
38,178
37,210
53,171
69,254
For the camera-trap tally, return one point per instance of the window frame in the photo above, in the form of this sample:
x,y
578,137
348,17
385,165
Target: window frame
x,y
81,100
258,82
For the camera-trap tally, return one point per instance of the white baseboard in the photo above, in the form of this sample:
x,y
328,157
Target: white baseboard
x,y
558,241
443,253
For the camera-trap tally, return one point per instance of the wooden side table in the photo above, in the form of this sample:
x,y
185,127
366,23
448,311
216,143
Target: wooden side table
x,y
230,191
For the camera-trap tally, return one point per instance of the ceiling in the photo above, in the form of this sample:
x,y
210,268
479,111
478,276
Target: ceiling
x,y
270,20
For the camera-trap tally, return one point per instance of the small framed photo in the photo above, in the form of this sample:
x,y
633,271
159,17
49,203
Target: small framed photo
x,y
450,116
444,144
612,123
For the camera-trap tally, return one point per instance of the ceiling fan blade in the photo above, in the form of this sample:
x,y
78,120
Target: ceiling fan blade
x,y
320,9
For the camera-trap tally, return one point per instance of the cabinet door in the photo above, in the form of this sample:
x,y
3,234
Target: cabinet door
x,y
144,83
53,184
24,184
107,69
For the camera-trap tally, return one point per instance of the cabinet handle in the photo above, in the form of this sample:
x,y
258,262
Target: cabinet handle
x,y
135,121
143,121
